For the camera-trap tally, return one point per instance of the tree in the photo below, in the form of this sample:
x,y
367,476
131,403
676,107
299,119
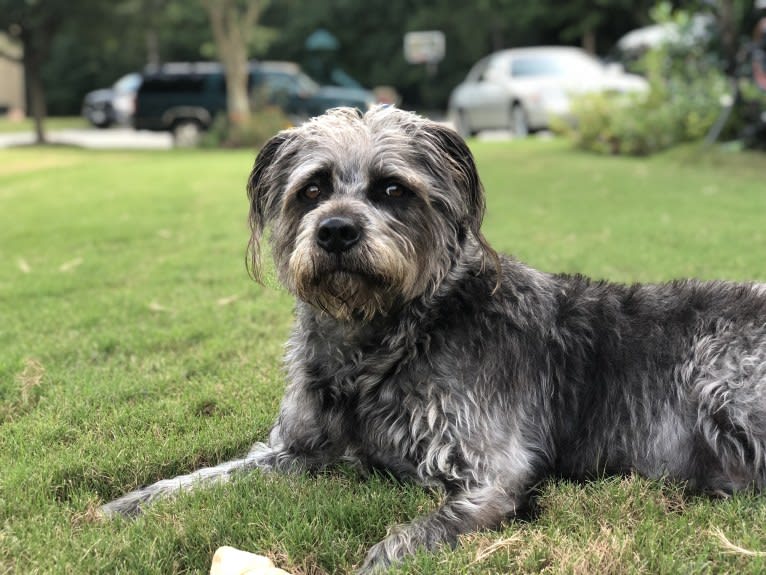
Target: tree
x,y
233,23
36,24
596,24
370,34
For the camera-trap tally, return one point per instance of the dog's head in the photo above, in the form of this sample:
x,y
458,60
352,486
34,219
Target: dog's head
x,y
366,212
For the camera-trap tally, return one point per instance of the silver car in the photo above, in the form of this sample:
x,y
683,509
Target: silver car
x,y
521,89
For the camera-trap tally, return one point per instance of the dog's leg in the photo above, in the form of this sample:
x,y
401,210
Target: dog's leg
x,y
296,443
261,456
482,507
131,504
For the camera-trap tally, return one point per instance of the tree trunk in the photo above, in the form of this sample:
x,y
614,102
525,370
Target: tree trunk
x,y
237,98
152,47
728,29
39,107
231,31
34,83
589,42
152,36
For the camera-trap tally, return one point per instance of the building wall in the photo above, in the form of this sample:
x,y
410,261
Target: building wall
x,y
11,77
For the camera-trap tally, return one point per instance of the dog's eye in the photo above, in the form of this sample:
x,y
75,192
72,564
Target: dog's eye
x,y
389,191
311,192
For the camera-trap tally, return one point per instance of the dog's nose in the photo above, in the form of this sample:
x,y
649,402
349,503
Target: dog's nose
x,y
337,234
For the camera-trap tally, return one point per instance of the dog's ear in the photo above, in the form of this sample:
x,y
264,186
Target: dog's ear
x,y
466,178
261,192
463,171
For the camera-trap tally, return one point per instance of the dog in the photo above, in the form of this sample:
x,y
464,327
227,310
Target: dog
x,y
418,350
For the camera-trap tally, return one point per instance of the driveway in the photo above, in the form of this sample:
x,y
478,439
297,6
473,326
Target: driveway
x,y
116,138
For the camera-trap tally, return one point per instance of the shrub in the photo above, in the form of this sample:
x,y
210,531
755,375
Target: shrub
x,y
641,124
682,104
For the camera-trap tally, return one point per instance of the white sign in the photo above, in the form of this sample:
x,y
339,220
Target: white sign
x,y
427,47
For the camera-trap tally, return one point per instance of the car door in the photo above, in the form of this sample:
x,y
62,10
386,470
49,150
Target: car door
x,y
495,94
469,101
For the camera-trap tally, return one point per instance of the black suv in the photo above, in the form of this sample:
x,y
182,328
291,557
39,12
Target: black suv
x,y
185,98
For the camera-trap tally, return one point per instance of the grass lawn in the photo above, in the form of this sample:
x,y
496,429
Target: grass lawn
x,y
134,347
54,123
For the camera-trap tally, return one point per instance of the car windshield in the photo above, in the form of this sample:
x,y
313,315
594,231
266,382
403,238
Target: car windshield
x,y
554,65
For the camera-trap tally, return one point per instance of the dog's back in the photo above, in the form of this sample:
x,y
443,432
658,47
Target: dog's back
x,y
667,380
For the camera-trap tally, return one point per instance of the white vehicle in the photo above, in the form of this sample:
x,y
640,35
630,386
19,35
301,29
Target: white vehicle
x,y
522,89
638,41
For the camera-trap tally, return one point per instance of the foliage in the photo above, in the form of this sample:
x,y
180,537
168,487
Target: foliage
x,y
684,99
92,52
371,35
134,347
96,47
87,57
596,22
35,25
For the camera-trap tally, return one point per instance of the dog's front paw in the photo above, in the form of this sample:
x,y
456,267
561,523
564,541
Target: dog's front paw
x,y
388,552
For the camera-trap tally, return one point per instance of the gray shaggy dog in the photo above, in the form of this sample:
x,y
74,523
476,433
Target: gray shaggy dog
x,y
418,350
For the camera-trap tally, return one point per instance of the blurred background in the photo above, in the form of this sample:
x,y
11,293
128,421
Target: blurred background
x,y
232,72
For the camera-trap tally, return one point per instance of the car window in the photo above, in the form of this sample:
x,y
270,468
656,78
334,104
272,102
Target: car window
x,y
274,82
553,65
526,66
174,83
128,83
216,83
477,72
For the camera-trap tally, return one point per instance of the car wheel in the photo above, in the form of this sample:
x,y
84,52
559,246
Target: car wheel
x,y
99,119
519,124
186,133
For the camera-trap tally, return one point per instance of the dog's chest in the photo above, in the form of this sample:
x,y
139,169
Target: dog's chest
x,y
390,407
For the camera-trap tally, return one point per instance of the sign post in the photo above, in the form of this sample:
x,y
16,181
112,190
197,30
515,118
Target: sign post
x,y
425,47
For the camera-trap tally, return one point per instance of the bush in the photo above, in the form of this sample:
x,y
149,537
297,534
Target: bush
x,y
682,104
639,124
262,125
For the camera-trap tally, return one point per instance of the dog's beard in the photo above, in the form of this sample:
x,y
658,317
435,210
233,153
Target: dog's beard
x,y
348,295
340,286
350,286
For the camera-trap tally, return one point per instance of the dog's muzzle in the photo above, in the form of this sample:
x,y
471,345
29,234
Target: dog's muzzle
x,y
337,234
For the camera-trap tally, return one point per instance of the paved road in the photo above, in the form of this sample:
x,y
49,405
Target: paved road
x,y
116,138
127,138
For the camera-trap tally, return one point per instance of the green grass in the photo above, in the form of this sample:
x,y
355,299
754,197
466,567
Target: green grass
x,y
134,347
54,123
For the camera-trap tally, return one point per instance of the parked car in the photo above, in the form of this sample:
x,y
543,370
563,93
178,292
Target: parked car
x,y
521,89
185,98
115,105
